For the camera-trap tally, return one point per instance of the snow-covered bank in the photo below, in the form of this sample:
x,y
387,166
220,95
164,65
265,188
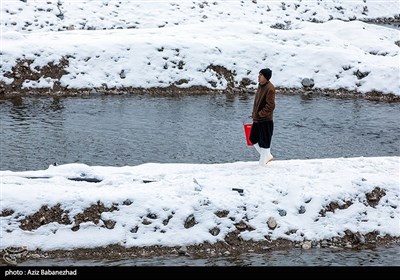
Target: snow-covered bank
x,y
61,15
78,206
220,45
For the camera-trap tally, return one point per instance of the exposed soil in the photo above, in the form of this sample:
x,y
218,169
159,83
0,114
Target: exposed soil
x,y
22,71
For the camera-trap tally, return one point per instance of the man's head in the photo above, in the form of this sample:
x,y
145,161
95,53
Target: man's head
x,y
267,73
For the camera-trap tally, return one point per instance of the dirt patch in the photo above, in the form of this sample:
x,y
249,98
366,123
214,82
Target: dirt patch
x,y
53,72
45,216
93,214
339,93
22,71
6,212
375,196
232,246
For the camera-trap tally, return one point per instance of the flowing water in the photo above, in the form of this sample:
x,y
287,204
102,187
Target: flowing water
x,y
380,256
131,130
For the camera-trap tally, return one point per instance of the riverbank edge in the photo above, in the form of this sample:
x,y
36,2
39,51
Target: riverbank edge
x,y
174,91
233,246
21,72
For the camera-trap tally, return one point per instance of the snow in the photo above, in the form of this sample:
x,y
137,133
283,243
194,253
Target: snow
x,y
158,43
148,195
163,43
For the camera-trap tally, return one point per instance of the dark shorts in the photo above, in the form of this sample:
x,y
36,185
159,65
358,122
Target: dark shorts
x,y
261,133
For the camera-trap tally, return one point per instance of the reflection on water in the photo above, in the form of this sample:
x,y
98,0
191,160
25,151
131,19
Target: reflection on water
x,y
131,130
380,256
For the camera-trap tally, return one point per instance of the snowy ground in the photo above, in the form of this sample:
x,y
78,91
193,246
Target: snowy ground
x,y
186,204
92,45
63,45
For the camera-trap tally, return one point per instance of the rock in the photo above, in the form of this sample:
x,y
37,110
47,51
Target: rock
x,y
306,245
272,223
241,226
214,231
122,75
182,251
307,83
282,212
93,92
110,224
190,221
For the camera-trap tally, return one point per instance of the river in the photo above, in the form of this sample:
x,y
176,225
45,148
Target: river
x,y
135,129
131,130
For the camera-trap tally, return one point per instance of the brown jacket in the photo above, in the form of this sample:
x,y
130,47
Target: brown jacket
x,y
264,103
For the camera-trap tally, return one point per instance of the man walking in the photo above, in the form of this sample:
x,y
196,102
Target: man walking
x,y
263,124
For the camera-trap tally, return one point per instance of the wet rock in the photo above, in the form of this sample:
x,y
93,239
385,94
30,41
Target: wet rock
x,y
182,251
306,245
324,243
358,238
10,259
94,92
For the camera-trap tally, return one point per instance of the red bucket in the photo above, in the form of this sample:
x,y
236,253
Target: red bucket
x,y
247,129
